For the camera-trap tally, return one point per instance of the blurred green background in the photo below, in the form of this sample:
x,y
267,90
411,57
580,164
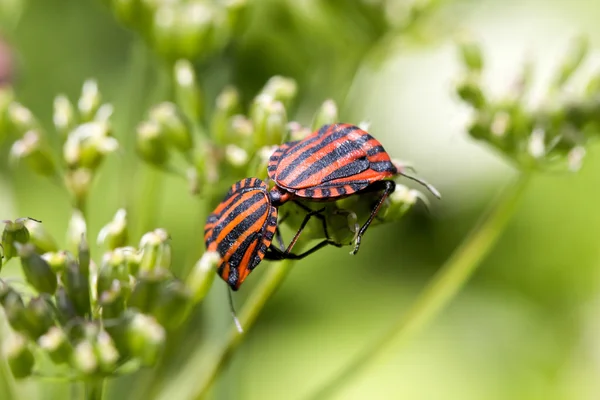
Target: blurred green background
x,y
526,327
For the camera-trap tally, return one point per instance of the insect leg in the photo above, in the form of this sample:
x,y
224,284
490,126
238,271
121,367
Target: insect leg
x,y
387,187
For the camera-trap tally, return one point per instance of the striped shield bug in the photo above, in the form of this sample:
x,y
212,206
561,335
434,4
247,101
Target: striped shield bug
x,y
242,227
334,162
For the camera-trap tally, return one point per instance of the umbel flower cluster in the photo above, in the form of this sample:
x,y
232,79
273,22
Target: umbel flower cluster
x,y
76,315
551,135
88,318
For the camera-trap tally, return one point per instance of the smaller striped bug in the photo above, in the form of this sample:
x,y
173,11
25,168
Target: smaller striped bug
x,y
242,227
334,162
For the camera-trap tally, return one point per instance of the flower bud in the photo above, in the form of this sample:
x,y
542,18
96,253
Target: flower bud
x,y
236,156
327,114
77,289
281,89
400,201
175,130
84,358
296,132
20,119
202,275
125,10
187,92
37,271
106,352
78,183
56,260
469,90
104,113
19,356
470,53
89,101
173,305
114,268
194,29
76,231
40,315
113,300
152,144
228,105
37,156
276,123
14,308
88,144
156,250
577,53
240,131
146,338
115,233
64,115
147,289
64,306
40,237
14,232
56,344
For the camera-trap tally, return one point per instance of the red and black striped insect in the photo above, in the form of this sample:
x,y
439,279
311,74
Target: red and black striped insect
x,y
242,227
334,162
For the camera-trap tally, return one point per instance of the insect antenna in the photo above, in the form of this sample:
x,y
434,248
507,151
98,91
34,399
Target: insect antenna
x,y
429,187
238,325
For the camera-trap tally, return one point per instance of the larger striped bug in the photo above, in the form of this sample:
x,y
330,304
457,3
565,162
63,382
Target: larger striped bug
x,y
242,227
334,162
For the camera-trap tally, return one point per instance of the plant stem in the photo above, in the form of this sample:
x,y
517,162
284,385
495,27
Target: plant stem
x,y
252,308
442,288
94,389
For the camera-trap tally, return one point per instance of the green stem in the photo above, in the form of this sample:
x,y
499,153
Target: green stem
x,y
94,389
250,311
438,293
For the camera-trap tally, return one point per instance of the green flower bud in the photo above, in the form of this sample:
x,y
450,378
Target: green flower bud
x,y
281,89
156,250
106,352
147,288
56,260
78,183
164,27
65,306
113,300
84,358
400,201
14,232
90,100
146,338
20,119
40,314
56,344
236,156
76,231
77,289
40,237
194,29
469,90
84,258
14,308
577,53
88,144
228,105
35,153
173,305
152,143
240,131
64,115
37,271
202,275
175,130
187,92
114,268
104,113
470,53
19,356
276,123
327,114
115,233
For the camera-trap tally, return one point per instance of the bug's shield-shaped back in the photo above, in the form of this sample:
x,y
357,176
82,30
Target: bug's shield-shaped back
x,y
241,229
